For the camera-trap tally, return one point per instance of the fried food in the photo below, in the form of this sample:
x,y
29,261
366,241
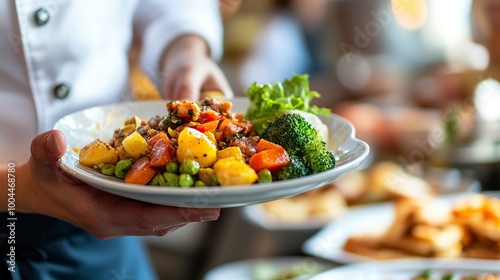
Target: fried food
x,y
470,228
322,203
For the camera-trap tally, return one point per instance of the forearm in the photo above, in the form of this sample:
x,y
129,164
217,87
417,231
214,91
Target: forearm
x,y
11,186
188,44
8,187
171,21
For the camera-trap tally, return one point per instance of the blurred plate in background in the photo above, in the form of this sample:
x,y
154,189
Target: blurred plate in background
x,y
268,268
370,221
410,269
313,210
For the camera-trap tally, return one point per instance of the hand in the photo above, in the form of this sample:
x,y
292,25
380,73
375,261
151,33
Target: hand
x,y
188,70
43,188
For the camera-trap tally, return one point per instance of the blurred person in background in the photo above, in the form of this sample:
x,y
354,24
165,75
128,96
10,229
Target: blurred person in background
x,y
62,56
287,42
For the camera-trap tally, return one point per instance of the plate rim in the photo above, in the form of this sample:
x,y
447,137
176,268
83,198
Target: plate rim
x,y
413,264
247,263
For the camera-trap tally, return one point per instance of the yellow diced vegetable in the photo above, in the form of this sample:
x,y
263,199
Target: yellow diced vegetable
x,y
193,144
230,152
211,136
97,153
135,145
231,171
135,121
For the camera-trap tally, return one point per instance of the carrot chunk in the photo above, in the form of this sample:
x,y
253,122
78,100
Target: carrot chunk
x,y
160,135
140,173
267,145
271,159
162,153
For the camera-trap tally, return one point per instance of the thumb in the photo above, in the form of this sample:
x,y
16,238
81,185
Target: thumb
x,y
49,146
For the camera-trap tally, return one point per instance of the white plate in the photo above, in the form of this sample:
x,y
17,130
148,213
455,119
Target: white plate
x,y
257,215
85,126
246,269
443,180
408,269
328,243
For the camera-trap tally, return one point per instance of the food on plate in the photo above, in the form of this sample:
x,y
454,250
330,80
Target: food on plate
x,y
296,270
382,181
269,101
98,152
469,227
203,143
322,203
431,275
302,141
480,216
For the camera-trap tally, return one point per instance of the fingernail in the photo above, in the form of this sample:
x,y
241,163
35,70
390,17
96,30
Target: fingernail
x,y
209,217
52,144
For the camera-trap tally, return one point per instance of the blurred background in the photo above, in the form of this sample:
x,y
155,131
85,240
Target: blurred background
x,y
417,78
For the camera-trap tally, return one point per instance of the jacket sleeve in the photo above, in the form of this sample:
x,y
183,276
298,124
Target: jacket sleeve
x,y
159,22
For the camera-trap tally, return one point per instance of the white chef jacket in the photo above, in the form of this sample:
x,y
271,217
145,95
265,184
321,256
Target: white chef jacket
x,y
83,45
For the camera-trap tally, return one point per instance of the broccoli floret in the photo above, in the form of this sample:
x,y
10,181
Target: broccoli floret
x,y
294,169
294,133
301,140
319,160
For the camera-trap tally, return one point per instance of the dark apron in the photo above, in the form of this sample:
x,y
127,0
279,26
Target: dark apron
x,y
47,248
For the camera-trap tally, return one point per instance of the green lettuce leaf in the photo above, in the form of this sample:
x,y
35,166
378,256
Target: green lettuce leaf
x,y
268,101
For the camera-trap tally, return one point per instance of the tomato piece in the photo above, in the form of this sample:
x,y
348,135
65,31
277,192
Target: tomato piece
x,y
208,126
209,115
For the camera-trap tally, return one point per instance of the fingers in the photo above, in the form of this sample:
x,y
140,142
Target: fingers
x,y
133,232
154,217
48,147
112,216
155,220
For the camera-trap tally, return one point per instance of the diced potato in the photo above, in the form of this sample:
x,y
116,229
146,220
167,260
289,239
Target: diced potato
x,y
231,171
97,153
230,152
135,121
135,145
211,136
193,144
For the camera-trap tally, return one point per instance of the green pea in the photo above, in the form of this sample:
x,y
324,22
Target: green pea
x,y
161,180
171,179
265,176
199,183
172,167
189,166
185,180
154,181
122,167
108,169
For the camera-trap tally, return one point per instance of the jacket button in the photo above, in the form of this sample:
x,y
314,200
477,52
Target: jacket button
x,y
61,91
42,16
